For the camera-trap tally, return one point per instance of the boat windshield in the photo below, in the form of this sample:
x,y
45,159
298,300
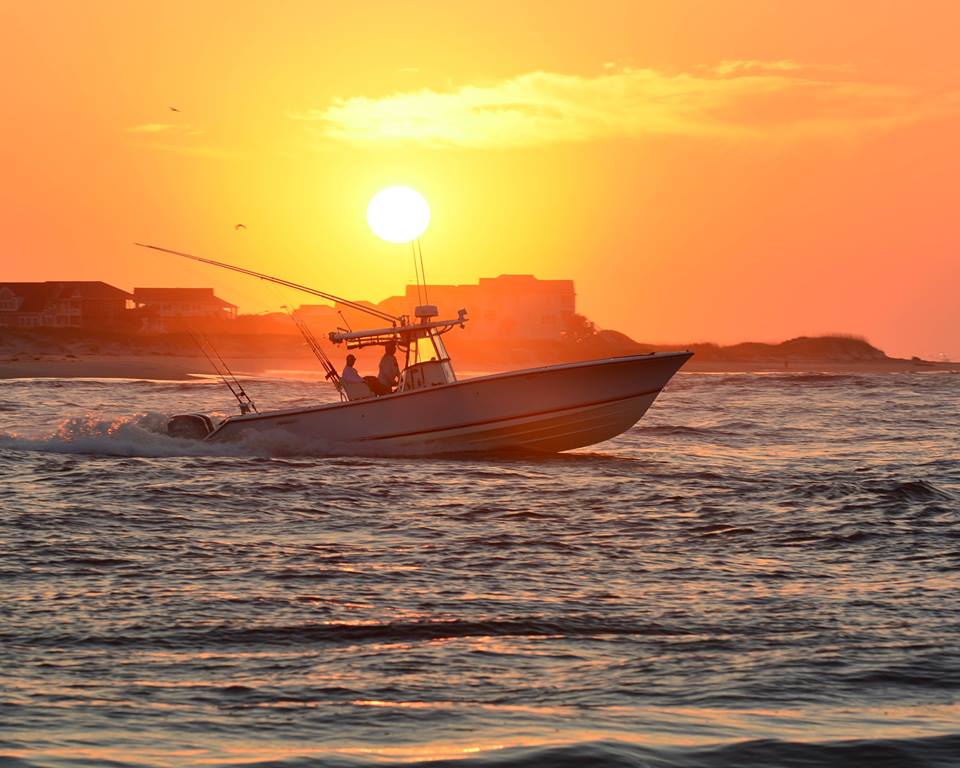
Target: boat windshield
x,y
424,349
428,364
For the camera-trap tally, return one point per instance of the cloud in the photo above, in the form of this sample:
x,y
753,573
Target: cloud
x,y
739,66
195,150
153,128
168,129
177,138
734,99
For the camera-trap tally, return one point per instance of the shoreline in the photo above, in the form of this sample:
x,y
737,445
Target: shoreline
x,y
175,368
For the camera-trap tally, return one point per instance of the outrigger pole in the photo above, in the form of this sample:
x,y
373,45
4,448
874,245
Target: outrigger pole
x,y
280,281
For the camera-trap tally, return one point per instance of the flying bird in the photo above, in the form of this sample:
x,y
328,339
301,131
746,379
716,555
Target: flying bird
x,y
174,109
238,227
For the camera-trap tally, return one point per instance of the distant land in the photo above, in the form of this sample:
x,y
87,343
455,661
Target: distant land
x,y
74,352
516,321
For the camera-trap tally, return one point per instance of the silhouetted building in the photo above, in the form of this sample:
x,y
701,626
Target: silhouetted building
x,y
345,317
164,309
323,315
62,304
508,306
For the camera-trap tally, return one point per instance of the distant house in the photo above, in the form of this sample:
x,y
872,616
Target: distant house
x,y
62,304
174,308
514,306
323,315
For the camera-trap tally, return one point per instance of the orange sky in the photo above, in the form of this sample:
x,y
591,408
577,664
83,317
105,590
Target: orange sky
x,y
703,170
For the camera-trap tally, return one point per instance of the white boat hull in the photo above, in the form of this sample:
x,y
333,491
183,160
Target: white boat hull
x,y
550,409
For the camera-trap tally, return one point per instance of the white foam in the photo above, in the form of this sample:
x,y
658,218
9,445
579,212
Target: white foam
x,y
140,435
144,435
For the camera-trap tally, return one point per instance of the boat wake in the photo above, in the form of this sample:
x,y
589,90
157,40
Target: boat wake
x,y
144,436
141,435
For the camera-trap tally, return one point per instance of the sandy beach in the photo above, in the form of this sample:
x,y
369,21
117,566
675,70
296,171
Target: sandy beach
x,y
146,367
174,368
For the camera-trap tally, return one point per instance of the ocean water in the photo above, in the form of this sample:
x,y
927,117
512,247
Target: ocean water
x,y
764,572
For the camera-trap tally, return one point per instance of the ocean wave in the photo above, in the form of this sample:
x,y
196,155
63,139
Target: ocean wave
x,y
931,752
779,379
911,490
885,491
679,430
927,668
299,634
721,530
921,752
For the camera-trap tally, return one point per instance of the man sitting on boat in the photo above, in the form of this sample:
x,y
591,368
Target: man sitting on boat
x,y
350,373
352,383
389,375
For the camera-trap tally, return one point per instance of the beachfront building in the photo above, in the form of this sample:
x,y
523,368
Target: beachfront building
x,y
63,304
167,309
323,317
509,306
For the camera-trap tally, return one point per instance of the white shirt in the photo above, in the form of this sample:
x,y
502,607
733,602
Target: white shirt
x,y
350,374
389,370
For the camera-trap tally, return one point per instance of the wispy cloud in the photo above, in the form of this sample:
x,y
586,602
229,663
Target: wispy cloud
x,y
195,150
734,99
170,129
754,66
152,128
179,138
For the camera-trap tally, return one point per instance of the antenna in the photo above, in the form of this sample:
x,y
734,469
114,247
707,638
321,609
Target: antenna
x,y
416,273
423,274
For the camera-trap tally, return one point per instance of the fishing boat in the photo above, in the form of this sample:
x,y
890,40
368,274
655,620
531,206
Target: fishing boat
x,y
547,409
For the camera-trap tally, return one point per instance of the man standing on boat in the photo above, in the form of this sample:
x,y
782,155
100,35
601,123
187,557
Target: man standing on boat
x,y
389,375
389,368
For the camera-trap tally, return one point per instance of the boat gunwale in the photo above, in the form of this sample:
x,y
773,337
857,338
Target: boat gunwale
x,y
619,360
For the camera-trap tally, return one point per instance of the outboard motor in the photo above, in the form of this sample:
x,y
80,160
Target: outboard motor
x,y
191,426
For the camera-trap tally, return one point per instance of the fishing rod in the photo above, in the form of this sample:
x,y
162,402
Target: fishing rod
x,y
240,389
236,389
325,362
280,281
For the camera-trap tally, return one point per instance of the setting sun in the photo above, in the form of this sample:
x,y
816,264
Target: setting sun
x,y
398,214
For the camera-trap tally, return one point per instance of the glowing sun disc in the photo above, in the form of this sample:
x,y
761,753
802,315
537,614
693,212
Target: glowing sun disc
x,y
398,214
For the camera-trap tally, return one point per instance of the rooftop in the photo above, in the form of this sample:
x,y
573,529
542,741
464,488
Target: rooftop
x,y
36,296
192,295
